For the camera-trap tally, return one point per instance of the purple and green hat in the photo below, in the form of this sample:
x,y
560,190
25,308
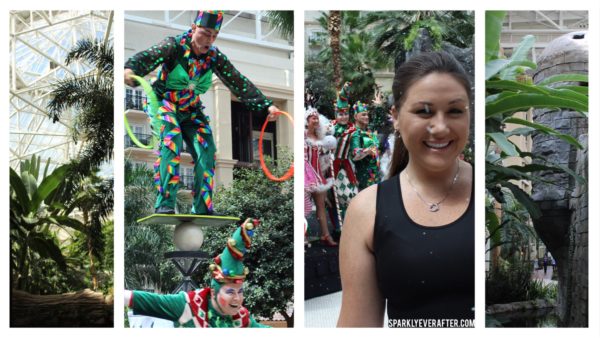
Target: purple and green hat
x,y
209,19
359,107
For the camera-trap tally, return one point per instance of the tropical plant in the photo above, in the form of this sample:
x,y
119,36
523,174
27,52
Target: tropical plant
x,y
358,63
283,21
509,91
94,199
92,96
334,28
33,213
145,266
395,31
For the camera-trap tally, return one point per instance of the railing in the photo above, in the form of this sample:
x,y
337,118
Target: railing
x,y
134,100
144,138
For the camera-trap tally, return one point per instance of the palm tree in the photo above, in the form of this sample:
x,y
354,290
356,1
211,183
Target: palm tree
x,y
334,28
283,21
95,201
92,96
394,31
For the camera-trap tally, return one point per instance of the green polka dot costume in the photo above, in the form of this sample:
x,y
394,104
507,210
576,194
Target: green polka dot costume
x,y
182,78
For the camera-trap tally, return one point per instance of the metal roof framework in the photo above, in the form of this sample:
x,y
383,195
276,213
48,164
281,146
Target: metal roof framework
x,y
39,44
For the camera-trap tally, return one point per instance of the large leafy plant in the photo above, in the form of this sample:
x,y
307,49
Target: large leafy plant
x,y
33,211
510,91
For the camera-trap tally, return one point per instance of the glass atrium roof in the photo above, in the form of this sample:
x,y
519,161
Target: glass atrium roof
x,y
39,44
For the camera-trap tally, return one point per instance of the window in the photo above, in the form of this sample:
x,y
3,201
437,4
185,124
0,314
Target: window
x,y
268,146
245,131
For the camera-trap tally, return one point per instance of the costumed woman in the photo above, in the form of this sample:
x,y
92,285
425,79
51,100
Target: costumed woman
x,y
220,304
345,184
364,148
317,159
186,64
409,241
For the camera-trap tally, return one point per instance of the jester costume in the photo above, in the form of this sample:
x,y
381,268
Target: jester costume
x,y
367,166
181,79
345,184
195,308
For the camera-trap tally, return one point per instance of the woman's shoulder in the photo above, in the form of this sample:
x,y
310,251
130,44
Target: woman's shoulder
x,y
361,210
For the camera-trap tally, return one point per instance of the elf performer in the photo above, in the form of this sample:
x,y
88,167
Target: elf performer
x,y
220,304
364,149
186,64
345,184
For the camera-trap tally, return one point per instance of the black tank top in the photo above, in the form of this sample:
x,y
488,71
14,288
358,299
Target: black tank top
x,y
423,272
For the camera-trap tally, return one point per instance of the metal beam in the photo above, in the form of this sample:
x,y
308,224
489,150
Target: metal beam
x,y
54,24
45,133
545,17
46,56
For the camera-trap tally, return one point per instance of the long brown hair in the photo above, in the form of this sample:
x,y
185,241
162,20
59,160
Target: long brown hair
x,y
410,72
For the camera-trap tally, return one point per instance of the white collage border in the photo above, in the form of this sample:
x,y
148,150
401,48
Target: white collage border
x,y
299,7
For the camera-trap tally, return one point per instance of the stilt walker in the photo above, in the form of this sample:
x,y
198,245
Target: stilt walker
x,y
186,64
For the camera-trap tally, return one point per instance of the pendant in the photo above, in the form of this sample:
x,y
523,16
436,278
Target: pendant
x,y
434,207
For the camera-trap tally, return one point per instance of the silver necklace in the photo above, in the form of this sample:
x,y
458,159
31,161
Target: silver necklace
x,y
434,206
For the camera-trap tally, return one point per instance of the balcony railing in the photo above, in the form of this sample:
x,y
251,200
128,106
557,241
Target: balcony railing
x,y
147,139
144,138
134,100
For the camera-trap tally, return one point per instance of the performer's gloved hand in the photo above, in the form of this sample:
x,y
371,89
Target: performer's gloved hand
x,y
273,113
128,79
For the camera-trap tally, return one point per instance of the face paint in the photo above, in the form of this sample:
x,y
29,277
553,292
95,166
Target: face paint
x,y
229,299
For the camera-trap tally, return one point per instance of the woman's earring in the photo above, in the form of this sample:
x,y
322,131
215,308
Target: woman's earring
x,y
397,133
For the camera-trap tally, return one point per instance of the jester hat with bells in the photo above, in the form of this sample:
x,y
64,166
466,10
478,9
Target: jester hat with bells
x,y
209,19
342,105
228,266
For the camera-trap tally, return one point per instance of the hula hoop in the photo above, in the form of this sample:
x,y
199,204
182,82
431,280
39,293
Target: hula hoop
x,y
153,102
270,176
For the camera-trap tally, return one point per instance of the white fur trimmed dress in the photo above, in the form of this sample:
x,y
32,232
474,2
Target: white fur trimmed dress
x,y
316,162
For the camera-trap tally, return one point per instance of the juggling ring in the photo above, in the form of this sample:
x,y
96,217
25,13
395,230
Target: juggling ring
x,y
270,176
153,102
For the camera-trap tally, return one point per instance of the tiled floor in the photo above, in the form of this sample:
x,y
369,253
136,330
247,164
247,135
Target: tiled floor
x,y
322,311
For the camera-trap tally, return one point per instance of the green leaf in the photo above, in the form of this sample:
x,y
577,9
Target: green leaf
x,y
525,200
545,130
66,221
47,248
524,101
514,86
521,53
504,144
578,89
564,78
19,189
48,185
493,27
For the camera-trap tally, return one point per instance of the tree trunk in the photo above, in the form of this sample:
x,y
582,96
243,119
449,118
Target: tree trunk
x,y
334,28
81,309
288,319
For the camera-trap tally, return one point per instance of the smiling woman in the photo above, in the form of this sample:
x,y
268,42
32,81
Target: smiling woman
x,y
410,239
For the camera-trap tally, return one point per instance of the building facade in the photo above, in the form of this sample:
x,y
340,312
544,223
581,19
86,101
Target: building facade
x,y
257,51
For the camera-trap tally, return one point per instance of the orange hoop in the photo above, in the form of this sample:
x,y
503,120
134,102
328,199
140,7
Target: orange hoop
x,y
270,176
